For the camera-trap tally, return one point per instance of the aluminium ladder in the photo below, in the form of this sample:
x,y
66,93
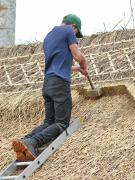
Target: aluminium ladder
x,y
30,166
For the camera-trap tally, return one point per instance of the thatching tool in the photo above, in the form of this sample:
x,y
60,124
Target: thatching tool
x,y
94,92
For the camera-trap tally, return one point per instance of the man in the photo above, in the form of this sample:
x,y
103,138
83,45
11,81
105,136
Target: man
x,y
60,48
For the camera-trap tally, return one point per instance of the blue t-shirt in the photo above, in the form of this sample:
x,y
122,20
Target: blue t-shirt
x,y
58,57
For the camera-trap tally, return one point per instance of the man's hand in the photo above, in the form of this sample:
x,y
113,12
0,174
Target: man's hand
x,y
81,70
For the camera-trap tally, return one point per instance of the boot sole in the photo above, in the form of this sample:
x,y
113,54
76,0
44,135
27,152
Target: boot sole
x,y
22,152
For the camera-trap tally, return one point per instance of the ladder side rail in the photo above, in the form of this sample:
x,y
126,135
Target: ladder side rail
x,y
9,170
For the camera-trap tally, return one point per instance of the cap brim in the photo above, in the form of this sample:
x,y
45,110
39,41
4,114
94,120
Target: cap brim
x,y
79,34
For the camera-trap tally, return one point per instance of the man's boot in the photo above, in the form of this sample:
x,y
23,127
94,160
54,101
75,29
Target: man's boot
x,y
25,149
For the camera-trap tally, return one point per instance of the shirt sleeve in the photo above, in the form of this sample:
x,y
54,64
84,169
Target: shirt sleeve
x,y
71,37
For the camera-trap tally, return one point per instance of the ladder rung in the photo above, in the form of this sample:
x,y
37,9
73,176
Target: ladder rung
x,y
8,177
41,149
23,163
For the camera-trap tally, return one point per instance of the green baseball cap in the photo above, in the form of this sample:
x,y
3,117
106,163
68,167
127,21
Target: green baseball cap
x,y
73,19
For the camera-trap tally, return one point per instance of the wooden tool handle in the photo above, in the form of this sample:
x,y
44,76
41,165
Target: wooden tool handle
x,y
91,84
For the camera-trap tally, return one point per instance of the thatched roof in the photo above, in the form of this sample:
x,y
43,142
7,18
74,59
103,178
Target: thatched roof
x,y
104,147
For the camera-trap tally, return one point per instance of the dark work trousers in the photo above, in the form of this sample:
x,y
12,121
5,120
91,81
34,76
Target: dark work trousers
x,y
58,106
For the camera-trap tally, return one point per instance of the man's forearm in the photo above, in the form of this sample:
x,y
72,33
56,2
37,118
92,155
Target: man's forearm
x,y
82,62
78,57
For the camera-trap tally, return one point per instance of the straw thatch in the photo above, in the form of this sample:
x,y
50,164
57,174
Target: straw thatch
x,y
104,148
